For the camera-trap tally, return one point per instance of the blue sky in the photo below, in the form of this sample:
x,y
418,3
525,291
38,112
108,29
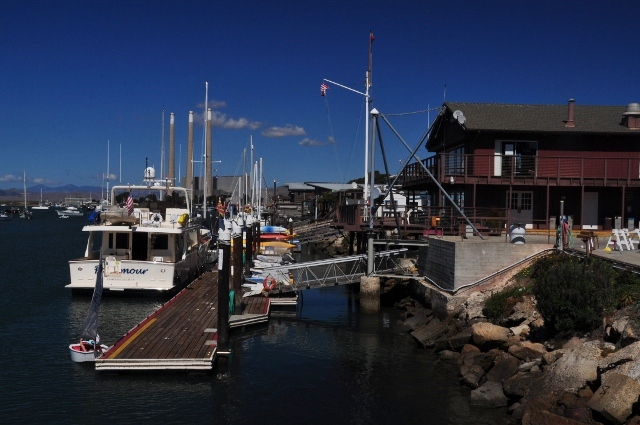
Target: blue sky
x,y
78,75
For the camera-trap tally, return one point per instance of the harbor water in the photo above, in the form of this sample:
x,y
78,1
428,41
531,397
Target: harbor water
x,y
323,362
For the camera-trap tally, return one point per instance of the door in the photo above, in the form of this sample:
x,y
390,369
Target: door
x,y
590,214
521,206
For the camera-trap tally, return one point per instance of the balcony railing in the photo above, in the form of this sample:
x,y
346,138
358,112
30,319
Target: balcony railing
x,y
527,169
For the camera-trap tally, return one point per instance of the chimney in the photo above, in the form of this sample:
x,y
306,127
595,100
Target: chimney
x,y
189,184
631,116
172,151
569,122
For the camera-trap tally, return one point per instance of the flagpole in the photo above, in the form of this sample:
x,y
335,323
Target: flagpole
x,y
366,131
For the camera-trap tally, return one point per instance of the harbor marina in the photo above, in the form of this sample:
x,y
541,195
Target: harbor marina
x,y
154,245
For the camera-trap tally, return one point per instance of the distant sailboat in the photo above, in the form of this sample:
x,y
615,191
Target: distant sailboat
x,y
41,206
26,214
89,347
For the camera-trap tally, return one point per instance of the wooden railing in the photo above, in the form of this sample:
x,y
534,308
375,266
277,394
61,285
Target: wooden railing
x,y
616,171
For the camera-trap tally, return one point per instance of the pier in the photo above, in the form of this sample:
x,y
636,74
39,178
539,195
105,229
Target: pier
x,y
182,334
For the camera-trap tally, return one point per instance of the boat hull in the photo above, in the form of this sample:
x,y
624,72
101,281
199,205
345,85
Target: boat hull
x,y
79,356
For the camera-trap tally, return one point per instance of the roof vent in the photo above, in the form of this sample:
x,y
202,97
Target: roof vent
x,y
631,116
569,121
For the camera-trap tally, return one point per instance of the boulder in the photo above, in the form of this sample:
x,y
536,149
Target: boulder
x,y
420,319
574,369
527,350
449,356
469,351
625,361
524,311
543,410
471,375
615,398
490,394
523,384
504,367
457,341
427,334
520,330
484,360
487,335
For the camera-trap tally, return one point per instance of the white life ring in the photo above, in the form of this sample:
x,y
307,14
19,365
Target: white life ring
x,y
156,218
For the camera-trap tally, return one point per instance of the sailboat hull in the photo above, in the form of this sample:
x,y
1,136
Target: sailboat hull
x,y
79,356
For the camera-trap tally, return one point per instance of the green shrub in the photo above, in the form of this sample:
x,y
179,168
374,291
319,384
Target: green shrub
x,y
574,294
501,303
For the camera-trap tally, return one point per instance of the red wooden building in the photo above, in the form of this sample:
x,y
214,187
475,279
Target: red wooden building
x,y
519,162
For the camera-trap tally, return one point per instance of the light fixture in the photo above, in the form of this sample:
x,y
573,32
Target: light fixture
x,y
452,180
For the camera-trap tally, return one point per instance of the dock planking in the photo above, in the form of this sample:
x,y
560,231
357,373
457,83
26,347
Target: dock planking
x,y
178,335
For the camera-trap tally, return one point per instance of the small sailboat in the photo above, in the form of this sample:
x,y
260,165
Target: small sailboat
x,y
26,214
40,206
89,347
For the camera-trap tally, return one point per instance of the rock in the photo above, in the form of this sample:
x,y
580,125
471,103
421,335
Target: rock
x,y
521,330
420,319
629,334
574,369
625,361
527,350
468,350
548,358
471,375
524,311
487,335
449,356
490,394
523,384
542,410
543,417
458,340
528,366
428,333
504,367
615,398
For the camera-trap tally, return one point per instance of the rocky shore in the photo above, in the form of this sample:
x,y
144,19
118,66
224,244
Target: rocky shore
x,y
593,379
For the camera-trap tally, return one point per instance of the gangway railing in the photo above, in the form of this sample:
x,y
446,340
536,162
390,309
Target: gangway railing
x,y
338,271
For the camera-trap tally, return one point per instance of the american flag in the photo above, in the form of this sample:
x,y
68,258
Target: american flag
x,y
129,205
323,89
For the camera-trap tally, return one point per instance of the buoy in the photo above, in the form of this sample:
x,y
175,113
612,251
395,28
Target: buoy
x,y
269,283
156,218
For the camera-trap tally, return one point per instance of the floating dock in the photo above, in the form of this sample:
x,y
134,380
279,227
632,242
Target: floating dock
x,y
182,334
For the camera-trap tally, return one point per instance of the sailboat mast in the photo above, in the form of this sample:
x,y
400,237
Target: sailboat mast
x,y
206,162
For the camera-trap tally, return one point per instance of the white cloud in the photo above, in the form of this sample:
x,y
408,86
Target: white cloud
x,y
110,177
10,178
44,181
311,142
289,130
214,104
221,120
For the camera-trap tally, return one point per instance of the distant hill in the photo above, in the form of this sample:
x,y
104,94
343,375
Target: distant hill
x,y
50,194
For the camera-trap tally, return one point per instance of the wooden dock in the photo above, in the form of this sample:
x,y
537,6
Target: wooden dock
x,y
182,334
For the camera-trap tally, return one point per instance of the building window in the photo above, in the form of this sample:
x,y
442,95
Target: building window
x,y
454,163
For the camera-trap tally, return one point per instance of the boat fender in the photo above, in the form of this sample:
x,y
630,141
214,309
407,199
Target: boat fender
x,y
269,283
156,218
183,219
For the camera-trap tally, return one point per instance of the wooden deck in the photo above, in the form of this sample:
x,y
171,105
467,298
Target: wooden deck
x,y
182,334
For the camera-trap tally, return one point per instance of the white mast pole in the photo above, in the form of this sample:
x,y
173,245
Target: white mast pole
x,y
206,119
162,149
260,191
108,176
120,163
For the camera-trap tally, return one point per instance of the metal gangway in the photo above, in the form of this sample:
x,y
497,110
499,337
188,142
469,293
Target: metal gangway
x,y
339,271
